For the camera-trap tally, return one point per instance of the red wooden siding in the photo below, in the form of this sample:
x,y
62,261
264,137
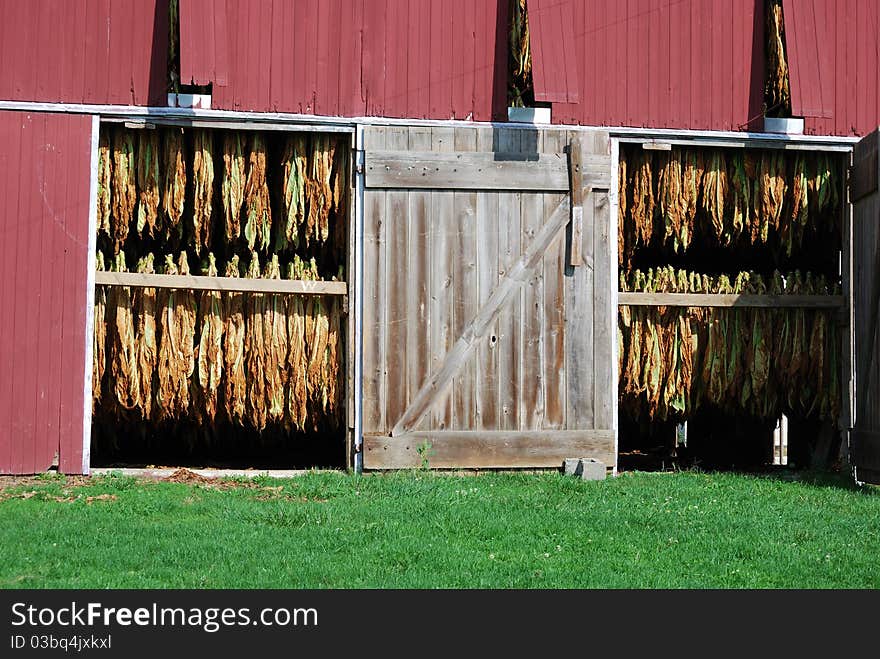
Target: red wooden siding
x,y
203,43
95,51
396,58
685,64
690,64
44,234
809,57
848,36
554,53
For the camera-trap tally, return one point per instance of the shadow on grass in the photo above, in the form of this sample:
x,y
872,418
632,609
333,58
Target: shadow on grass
x,y
836,479
831,478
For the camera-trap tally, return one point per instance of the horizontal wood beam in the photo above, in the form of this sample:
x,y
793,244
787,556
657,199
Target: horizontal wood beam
x,y
724,300
488,450
223,284
482,170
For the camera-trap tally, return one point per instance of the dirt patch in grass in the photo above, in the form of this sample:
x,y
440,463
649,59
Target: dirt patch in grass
x,y
7,482
65,497
262,492
40,487
189,478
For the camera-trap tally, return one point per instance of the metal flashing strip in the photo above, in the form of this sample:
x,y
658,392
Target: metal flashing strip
x,y
133,111
227,124
763,142
224,117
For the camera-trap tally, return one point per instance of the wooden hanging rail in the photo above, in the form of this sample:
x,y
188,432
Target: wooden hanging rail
x,y
732,300
224,284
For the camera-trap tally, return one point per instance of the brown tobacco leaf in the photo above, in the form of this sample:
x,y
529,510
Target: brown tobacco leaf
x,y
233,184
234,374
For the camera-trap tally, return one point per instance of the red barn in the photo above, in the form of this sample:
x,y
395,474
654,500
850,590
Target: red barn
x,y
406,76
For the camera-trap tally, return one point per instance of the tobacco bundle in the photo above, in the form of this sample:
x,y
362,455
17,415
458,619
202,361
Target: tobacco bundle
x,y
176,344
175,180
258,227
234,375
203,188
99,340
255,352
233,184
148,181
123,352
210,353
124,187
105,178
297,356
294,163
146,347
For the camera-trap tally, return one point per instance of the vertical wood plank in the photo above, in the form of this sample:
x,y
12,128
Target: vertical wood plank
x,y
27,288
508,326
58,199
45,287
533,348
487,352
418,323
12,153
604,302
75,229
10,135
465,287
579,313
374,304
553,306
443,266
397,350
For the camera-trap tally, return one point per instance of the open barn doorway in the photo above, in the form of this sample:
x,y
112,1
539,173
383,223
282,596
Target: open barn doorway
x,y
221,302
732,326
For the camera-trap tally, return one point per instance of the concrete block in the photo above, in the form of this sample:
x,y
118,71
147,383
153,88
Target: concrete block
x,y
592,470
570,466
586,468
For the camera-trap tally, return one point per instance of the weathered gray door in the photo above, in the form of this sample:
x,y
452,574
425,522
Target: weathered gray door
x,y
865,198
483,347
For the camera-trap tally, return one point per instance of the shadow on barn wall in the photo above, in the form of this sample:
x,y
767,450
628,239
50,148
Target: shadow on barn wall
x,y
758,72
159,57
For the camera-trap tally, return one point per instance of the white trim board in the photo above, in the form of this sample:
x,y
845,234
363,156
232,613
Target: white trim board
x,y
358,305
108,112
90,297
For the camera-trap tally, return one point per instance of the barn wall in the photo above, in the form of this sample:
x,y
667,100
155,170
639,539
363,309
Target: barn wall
x,y
395,58
687,64
78,51
682,64
699,64
44,238
848,34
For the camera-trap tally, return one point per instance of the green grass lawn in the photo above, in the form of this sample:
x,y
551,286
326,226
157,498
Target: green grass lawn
x,y
420,530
